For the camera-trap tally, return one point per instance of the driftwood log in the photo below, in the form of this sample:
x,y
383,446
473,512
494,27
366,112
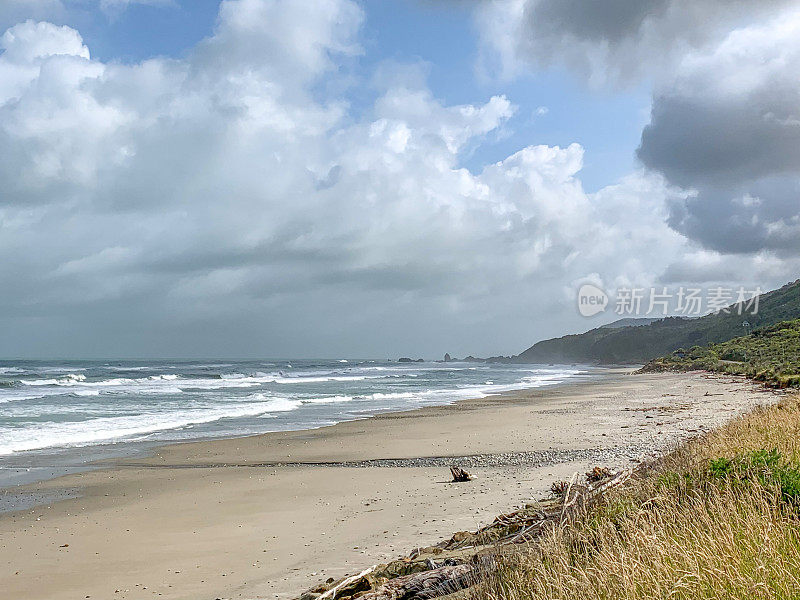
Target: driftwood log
x,y
459,474
428,584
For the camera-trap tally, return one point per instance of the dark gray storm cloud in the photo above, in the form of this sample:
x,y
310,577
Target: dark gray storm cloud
x,y
728,127
611,21
760,215
615,41
710,136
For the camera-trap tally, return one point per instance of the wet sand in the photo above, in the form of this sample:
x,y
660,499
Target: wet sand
x,y
267,516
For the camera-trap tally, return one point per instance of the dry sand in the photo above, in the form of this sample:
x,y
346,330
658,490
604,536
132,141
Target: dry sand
x,y
225,519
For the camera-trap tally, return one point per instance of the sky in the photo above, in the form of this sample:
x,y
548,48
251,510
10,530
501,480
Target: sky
x,y
377,178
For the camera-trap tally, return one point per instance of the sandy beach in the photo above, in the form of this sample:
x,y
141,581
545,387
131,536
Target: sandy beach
x,y
269,515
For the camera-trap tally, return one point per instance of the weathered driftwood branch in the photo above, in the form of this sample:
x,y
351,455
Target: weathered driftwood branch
x,y
566,501
428,584
331,593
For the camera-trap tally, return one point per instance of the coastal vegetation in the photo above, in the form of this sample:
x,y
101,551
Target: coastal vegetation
x,y
716,518
769,354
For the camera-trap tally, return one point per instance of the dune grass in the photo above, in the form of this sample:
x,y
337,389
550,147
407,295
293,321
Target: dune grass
x,y
719,517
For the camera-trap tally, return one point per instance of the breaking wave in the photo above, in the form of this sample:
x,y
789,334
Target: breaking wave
x,y
83,403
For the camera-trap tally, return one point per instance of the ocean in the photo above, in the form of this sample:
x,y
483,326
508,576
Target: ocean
x,y
56,416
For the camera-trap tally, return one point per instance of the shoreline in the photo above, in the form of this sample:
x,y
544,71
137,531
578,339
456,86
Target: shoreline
x,y
43,464
221,450
272,514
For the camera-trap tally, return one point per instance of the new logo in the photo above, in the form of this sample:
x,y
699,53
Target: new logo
x,y
591,300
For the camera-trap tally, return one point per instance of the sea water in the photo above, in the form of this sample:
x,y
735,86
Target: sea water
x,y
55,416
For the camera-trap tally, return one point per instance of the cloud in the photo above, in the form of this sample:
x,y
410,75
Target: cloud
x,y
616,41
724,122
727,125
221,203
704,267
28,42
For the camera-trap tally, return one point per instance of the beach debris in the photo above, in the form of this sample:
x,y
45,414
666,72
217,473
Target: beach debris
x,y
469,557
429,584
331,593
459,474
598,474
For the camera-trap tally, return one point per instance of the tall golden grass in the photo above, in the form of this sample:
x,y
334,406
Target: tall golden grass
x,y
677,531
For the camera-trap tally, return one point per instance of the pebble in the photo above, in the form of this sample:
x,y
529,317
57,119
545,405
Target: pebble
x,y
540,458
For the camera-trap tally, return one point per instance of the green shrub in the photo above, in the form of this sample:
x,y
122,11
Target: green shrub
x,y
767,467
734,354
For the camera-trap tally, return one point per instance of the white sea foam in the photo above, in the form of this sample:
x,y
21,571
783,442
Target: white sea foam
x,y
164,384
391,395
240,379
16,396
327,400
73,379
110,429
10,370
275,404
68,379
55,369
